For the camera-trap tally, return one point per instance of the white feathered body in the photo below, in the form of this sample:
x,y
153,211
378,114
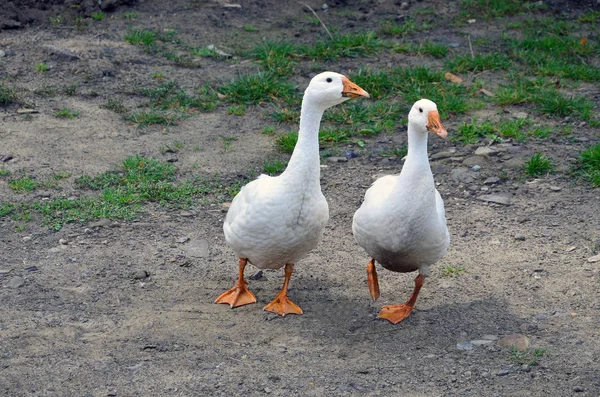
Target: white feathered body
x,y
401,222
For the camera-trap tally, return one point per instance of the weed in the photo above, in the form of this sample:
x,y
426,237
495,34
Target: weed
x,y
6,209
61,175
98,16
552,103
257,88
274,167
250,28
436,50
287,142
42,67
71,89
116,105
150,117
348,45
275,56
158,76
237,110
538,165
130,15
399,152
57,21
285,115
513,129
452,271
66,114
45,91
4,172
227,141
469,133
542,132
589,164
408,25
7,95
269,130
590,17
23,185
496,8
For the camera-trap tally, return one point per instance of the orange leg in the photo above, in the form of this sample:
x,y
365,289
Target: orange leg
x,y
239,295
372,279
282,305
397,313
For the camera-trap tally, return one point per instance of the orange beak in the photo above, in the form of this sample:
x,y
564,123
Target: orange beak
x,y
352,90
434,124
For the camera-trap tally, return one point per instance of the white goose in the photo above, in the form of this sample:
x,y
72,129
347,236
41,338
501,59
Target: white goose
x,y
276,221
401,223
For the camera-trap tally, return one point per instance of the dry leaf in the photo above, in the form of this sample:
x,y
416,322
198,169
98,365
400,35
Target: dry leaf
x,y
583,41
453,78
487,93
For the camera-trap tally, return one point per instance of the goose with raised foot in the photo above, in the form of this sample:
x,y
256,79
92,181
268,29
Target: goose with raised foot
x,y
401,222
277,221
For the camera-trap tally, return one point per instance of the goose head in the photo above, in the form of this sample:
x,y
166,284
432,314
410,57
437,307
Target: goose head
x,y
328,89
424,117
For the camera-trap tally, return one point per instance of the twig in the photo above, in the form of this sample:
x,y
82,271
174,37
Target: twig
x,y
470,47
316,16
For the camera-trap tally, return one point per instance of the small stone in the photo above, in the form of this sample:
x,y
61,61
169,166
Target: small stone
x,y
16,282
182,240
443,155
337,159
495,198
100,223
2,53
462,175
481,342
555,188
485,151
595,258
476,168
578,389
571,249
491,180
324,7
520,237
27,238
186,214
404,5
464,345
541,316
62,241
503,372
515,341
225,207
582,139
257,276
140,274
490,337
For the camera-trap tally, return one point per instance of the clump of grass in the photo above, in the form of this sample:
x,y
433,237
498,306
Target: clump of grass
x,y
528,357
257,88
406,27
285,115
274,167
496,8
513,128
479,63
130,15
23,185
151,117
287,142
436,50
42,67
399,152
237,110
227,141
589,164
143,37
469,133
276,56
6,209
269,130
7,95
66,114
4,172
250,28
115,105
343,45
538,165
98,16
452,271
45,91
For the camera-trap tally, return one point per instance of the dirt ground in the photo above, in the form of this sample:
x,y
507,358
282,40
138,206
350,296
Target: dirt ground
x,y
77,319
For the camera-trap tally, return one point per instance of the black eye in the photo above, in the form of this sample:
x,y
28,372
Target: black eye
x,y
329,79
421,110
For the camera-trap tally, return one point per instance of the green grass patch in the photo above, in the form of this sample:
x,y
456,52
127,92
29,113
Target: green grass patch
x,y
7,95
479,63
274,167
257,88
399,152
141,37
65,113
98,16
42,67
528,357
23,185
589,164
4,172
343,45
276,56
130,15
116,105
403,28
496,8
452,271
469,133
538,165
250,28
237,110
287,142
152,117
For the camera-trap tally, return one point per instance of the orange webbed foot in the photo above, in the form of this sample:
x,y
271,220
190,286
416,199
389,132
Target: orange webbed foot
x,y
239,295
395,313
282,305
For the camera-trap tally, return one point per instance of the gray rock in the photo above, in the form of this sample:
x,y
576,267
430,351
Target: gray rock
x,y
495,198
515,341
490,337
473,160
482,342
61,53
462,175
476,168
541,316
16,282
2,53
182,240
503,372
555,188
492,180
444,155
578,389
404,5
100,223
520,237
485,151
337,159
140,274
187,214
464,345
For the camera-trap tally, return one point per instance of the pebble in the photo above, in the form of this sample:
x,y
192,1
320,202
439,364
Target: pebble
x,y
62,241
485,151
555,188
541,316
476,168
444,155
490,337
404,5
481,342
2,53
464,345
140,274
337,159
520,237
26,238
16,282
495,198
516,341
491,180
182,240
186,214
503,372
578,389
595,258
